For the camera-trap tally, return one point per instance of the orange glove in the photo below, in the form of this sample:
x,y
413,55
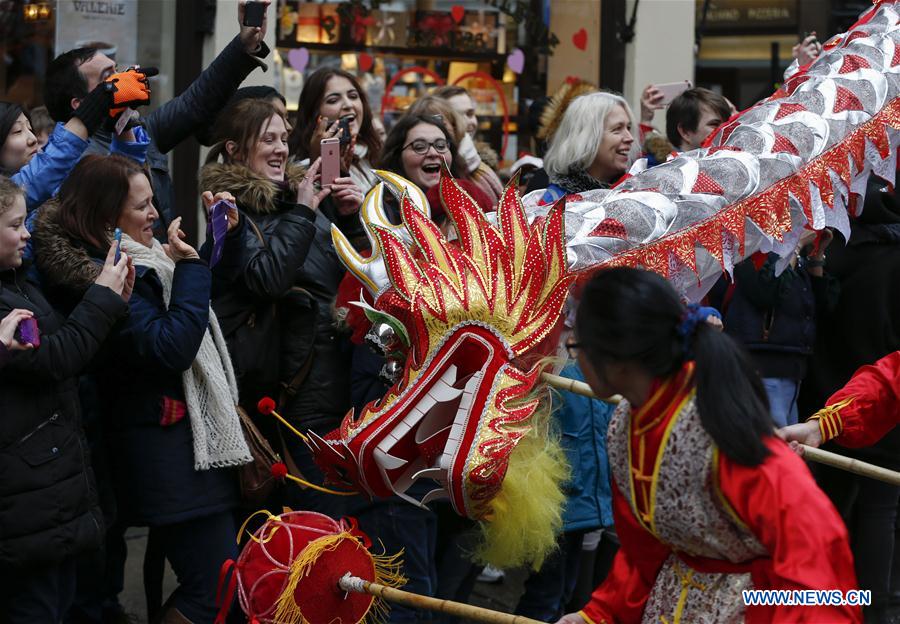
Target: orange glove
x,y
130,88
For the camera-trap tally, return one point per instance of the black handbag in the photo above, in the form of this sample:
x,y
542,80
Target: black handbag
x,y
256,479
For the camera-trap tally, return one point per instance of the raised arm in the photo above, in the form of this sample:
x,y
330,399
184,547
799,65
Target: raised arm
x,y
201,102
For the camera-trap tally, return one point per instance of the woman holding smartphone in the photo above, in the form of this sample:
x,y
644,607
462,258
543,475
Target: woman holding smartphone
x,y
166,385
333,104
277,302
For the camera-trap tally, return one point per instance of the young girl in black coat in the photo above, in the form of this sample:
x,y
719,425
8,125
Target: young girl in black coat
x,y
49,512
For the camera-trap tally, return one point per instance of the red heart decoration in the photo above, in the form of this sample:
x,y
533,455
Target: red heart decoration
x,y
580,39
458,13
366,61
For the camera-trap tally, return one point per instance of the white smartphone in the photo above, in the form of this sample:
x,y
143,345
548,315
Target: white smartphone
x,y
672,90
331,160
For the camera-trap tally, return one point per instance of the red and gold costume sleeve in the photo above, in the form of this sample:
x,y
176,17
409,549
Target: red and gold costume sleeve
x,y
864,410
621,597
781,505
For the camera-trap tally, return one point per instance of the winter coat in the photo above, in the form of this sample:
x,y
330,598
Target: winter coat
x,y
583,422
151,458
296,268
187,114
774,317
49,505
864,325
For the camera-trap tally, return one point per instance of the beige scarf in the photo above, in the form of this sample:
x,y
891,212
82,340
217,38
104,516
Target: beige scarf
x,y
210,388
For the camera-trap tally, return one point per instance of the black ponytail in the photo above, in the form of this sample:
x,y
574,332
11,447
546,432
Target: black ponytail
x,y
731,399
633,315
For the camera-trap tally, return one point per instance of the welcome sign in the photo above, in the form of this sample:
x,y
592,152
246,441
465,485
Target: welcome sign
x,y
110,25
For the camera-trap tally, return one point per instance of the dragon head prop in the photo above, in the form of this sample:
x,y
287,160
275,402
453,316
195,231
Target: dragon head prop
x,y
474,317
477,317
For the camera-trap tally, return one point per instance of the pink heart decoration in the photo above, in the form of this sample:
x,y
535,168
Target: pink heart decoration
x,y
298,58
516,61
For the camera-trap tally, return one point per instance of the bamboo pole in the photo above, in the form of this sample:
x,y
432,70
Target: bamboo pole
x,y
355,584
576,387
851,465
814,454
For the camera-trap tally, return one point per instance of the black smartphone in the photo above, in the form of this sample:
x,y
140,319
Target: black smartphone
x,y
344,123
253,14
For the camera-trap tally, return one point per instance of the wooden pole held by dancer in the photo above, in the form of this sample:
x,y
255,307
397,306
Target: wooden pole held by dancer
x,y
576,387
851,465
355,584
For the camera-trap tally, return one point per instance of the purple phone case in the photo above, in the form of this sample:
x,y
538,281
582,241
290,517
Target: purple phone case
x,y
218,226
28,333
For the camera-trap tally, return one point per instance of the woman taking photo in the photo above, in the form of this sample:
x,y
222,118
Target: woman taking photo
x,y
328,96
50,512
168,390
592,148
277,301
707,501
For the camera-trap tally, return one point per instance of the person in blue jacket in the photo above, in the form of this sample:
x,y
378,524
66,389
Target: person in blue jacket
x,y
39,172
168,390
583,423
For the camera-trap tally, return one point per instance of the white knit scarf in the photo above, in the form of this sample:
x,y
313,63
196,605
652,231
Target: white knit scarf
x,y
210,388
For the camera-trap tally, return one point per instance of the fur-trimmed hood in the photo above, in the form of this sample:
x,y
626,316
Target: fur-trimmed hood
x,y
253,192
63,262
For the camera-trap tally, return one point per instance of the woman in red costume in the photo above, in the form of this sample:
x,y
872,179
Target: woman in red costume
x,y
857,415
707,501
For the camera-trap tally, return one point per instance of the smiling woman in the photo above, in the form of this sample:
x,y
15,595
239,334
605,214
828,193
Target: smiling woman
x,y
275,304
593,147
328,96
175,437
417,146
38,172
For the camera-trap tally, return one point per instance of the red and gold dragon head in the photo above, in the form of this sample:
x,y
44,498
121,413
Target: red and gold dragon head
x,y
478,315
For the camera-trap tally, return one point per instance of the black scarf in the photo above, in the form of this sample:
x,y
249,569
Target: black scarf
x,y
578,182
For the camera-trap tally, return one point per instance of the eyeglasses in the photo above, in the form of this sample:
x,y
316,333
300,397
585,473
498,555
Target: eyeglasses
x,y
572,348
420,146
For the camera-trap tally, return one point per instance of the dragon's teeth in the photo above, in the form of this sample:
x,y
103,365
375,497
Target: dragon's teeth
x,y
387,461
437,494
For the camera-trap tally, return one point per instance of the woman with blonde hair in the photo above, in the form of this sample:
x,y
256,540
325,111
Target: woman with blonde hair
x,y
593,146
